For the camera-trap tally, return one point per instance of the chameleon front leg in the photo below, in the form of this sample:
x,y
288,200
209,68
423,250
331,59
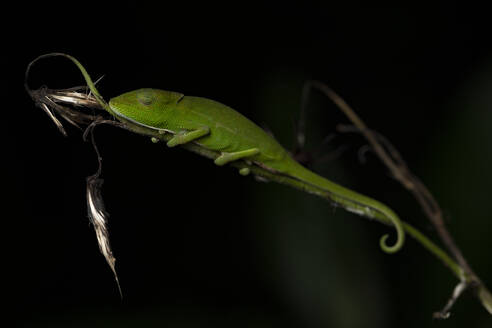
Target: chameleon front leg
x,y
182,138
225,158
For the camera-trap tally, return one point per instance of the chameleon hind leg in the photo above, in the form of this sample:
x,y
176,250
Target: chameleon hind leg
x,y
225,158
182,138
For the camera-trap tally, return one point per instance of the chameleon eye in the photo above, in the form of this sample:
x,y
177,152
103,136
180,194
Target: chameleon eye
x,y
146,97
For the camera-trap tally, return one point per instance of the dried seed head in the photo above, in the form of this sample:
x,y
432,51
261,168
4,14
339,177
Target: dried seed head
x,y
98,217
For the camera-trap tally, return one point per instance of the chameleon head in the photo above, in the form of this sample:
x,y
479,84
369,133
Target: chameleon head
x,y
147,107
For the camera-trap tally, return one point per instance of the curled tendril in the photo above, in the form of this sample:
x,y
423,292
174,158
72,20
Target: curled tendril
x,y
90,84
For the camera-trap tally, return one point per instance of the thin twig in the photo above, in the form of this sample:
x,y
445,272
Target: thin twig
x,y
390,157
457,291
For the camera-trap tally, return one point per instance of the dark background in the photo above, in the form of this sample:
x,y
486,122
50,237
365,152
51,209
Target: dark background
x,y
201,246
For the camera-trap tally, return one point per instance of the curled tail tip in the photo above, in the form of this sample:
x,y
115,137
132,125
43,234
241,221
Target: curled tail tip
x,y
396,247
400,238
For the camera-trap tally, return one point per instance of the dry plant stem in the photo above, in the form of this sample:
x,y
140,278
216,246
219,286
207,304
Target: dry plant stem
x,y
255,170
276,177
398,168
282,179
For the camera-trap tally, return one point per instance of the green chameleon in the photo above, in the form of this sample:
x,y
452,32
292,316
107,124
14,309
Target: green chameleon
x,y
215,127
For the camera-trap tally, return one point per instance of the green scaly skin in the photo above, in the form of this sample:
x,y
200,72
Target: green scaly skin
x,y
219,128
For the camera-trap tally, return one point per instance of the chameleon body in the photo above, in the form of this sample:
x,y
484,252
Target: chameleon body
x,y
220,128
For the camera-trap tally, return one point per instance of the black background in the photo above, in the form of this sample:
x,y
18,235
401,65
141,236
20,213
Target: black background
x,y
201,246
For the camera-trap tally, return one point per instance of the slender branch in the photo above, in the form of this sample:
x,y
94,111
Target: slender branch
x,y
269,175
